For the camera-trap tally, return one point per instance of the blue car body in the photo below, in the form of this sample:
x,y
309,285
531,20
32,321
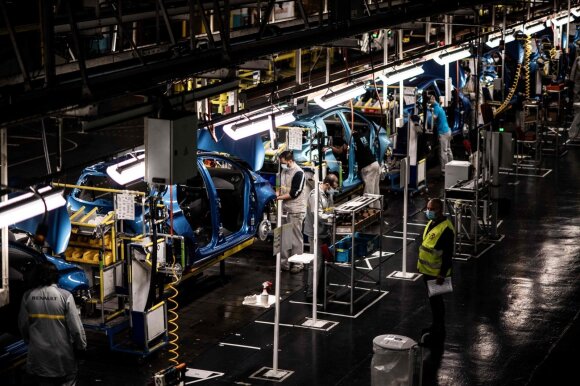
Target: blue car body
x,y
336,123
216,210
433,82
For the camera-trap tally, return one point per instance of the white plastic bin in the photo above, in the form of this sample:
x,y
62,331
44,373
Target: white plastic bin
x,y
394,360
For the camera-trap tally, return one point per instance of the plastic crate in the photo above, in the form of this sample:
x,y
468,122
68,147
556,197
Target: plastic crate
x,y
363,245
343,246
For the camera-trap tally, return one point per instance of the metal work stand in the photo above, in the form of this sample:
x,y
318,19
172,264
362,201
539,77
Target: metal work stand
x,y
358,282
475,219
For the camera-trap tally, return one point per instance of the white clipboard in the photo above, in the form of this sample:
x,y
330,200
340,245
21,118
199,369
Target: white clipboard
x,y
439,289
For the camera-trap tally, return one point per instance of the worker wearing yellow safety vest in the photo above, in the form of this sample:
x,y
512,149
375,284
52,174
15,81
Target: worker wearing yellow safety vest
x,y
435,259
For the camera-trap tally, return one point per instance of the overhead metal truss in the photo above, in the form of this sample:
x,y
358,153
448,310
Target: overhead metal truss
x,y
155,41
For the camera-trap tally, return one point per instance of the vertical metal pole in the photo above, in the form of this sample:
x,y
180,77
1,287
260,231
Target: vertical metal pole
x,y
447,79
4,297
406,205
503,57
567,34
45,147
314,248
401,101
328,51
59,149
298,60
277,295
385,61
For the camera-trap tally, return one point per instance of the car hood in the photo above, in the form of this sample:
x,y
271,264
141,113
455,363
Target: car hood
x,y
250,149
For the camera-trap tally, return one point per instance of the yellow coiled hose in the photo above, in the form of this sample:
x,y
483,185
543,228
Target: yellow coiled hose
x,y
527,55
172,321
512,90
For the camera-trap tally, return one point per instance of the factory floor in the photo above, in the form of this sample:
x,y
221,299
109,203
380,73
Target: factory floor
x,y
511,320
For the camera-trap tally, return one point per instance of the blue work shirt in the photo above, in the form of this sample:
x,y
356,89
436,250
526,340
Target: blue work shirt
x,y
441,121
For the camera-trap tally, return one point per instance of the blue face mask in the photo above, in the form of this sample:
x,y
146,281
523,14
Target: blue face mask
x,y
430,214
331,191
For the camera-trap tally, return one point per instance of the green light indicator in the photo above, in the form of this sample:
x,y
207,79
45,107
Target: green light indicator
x,y
501,129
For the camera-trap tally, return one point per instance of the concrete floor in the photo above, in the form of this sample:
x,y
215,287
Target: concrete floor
x,y
512,319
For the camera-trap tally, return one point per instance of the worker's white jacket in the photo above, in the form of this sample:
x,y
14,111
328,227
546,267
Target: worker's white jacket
x,y
51,326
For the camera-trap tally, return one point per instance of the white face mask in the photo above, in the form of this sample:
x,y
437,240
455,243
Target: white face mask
x,y
284,166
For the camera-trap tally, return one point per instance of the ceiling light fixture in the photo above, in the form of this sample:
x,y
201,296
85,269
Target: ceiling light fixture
x,y
561,20
398,75
494,40
333,98
534,27
128,171
27,205
452,55
248,126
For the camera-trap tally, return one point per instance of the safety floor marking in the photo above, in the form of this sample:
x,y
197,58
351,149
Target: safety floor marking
x,y
263,374
415,276
375,255
421,224
468,255
547,171
280,324
239,345
398,237
201,375
409,233
329,325
384,293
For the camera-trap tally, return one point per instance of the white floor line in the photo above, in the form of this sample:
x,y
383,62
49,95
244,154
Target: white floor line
x,y
360,312
239,345
409,233
280,324
397,237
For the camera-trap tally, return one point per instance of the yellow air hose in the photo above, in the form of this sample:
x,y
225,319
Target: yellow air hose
x,y
171,299
172,321
527,54
514,86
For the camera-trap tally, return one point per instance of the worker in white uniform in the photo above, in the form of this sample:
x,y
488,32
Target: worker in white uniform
x,y
50,324
325,202
291,195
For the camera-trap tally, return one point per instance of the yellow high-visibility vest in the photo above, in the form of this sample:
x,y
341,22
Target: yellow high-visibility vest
x,y
430,259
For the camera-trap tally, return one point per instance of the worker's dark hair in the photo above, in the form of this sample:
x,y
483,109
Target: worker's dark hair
x,y
287,155
330,179
438,203
43,274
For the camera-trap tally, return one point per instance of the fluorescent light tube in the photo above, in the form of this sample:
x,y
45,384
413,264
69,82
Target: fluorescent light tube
x,y
28,205
128,171
532,28
401,74
575,11
333,98
561,20
496,38
452,55
247,127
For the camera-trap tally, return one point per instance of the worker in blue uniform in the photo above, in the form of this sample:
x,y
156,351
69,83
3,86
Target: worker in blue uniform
x,y
444,133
